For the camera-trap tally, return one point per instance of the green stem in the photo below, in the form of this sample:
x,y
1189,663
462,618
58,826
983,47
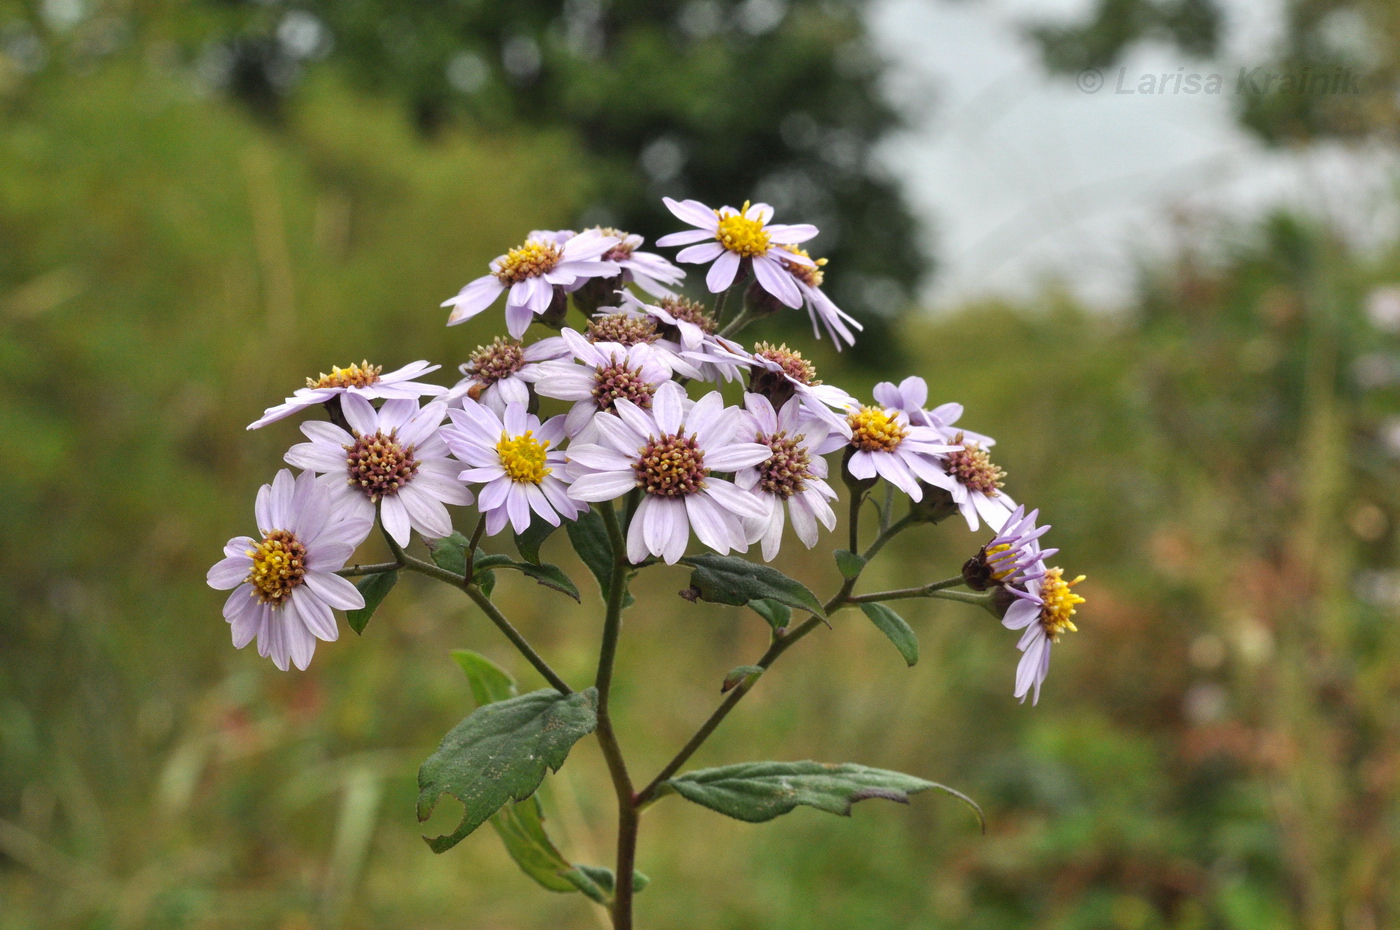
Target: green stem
x,y
377,568
964,597
927,590
733,327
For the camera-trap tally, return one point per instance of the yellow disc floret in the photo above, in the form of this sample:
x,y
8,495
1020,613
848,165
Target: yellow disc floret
x,y
279,565
534,258
352,375
812,277
874,429
741,235
995,555
523,457
1060,602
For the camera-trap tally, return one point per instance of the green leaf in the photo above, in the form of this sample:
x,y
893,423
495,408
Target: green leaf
x,y
778,615
489,682
450,553
500,753
528,543
893,626
589,536
373,588
551,576
599,883
738,675
759,791
724,579
849,564
521,829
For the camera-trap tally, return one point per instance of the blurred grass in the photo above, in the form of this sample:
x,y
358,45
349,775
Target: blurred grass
x,y
1218,747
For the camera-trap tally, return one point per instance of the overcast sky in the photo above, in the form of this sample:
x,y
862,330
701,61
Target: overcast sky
x,y
1021,177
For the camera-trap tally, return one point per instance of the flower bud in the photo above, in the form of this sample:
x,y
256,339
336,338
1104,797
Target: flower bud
x,y
934,507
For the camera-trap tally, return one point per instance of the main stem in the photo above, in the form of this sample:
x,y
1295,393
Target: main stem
x,y
627,815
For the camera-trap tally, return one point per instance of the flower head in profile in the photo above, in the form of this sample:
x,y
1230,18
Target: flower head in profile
x,y
809,275
517,459
529,273
1045,615
492,375
598,376
362,380
778,373
284,582
1013,558
649,271
884,444
672,452
740,236
681,320
793,477
392,459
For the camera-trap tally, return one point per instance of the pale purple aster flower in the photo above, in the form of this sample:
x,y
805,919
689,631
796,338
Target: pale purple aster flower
x,y
597,377
627,327
911,394
671,452
974,483
392,459
518,460
689,319
1013,558
793,474
493,373
739,235
1044,615
363,380
530,272
649,271
821,308
284,584
886,445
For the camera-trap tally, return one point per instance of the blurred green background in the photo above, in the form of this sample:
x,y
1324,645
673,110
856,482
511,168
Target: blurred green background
x,y
200,205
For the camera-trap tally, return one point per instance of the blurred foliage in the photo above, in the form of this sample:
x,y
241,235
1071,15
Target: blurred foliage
x,y
1218,748
1343,57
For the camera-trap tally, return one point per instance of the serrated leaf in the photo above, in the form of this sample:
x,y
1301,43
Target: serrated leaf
x,y
849,564
760,791
599,883
778,615
738,675
450,553
500,753
724,579
489,682
589,536
528,543
894,627
373,588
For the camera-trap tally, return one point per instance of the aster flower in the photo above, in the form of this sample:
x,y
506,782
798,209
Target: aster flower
x,y
681,320
821,308
739,235
512,456
393,459
284,584
779,373
599,375
1013,558
647,270
911,394
884,444
1044,615
493,372
530,273
363,380
974,484
793,474
671,453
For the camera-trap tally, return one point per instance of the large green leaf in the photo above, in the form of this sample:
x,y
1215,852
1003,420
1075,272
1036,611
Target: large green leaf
x,y
725,579
373,588
893,626
759,791
589,536
500,753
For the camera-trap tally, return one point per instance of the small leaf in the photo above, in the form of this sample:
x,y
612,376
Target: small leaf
x,y
599,884
589,536
724,579
521,829
500,753
893,626
489,682
528,543
760,791
849,564
450,553
778,615
738,675
373,588
551,576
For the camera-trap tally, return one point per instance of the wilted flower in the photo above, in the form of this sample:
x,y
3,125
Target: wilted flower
x,y
821,308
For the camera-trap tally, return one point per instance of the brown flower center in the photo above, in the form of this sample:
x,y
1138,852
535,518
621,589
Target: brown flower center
x,y
623,329
812,277
671,466
688,311
494,362
790,361
279,565
615,381
620,252
379,465
786,471
534,258
973,467
352,375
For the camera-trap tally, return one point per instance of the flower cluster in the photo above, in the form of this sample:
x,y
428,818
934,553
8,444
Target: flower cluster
x,y
659,414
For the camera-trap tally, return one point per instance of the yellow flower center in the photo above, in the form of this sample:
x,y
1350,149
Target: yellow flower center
x,y
995,555
873,429
1060,602
523,457
534,258
352,375
812,277
279,565
741,235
